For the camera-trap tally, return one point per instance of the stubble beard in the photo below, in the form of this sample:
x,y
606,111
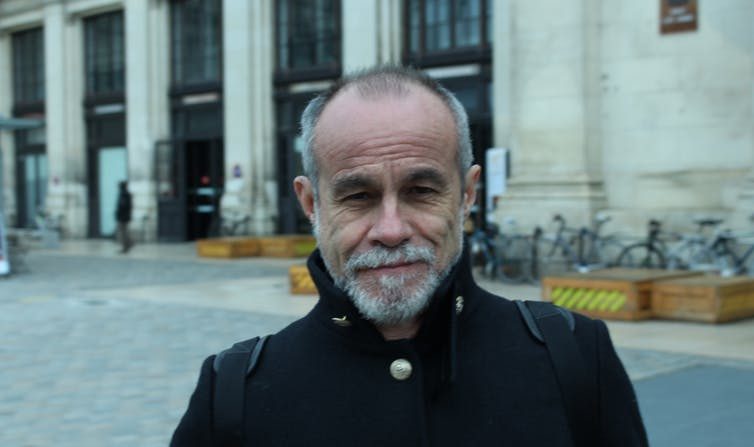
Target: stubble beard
x,y
395,299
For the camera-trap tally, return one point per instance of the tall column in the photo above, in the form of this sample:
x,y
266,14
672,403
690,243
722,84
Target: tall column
x,y
64,116
250,185
264,186
390,31
146,102
360,33
546,118
502,73
743,204
7,147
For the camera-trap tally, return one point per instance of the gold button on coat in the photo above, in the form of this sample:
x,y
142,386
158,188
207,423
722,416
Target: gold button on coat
x,y
459,305
400,369
341,321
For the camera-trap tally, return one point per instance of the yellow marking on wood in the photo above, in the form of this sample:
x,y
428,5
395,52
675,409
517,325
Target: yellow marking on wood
x,y
577,293
609,300
555,294
598,299
618,304
564,296
584,301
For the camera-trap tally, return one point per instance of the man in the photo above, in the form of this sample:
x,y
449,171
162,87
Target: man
x,y
123,217
403,348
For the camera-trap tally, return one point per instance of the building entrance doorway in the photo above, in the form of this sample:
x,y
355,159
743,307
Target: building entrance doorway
x,y
32,181
204,185
189,179
107,161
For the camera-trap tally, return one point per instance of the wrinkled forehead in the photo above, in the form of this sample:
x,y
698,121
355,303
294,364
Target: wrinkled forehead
x,y
412,116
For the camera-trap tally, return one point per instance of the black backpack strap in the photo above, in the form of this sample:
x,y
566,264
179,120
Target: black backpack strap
x,y
232,367
554,327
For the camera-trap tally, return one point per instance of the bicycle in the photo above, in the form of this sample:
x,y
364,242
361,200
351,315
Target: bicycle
x,y
482,248
649,253
594,250
508,257
235,225
49,228
517,257
582,250
555,254
727,258
231,224
696,251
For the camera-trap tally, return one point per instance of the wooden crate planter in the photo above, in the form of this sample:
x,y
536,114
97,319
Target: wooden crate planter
x,y
708,298
227,247
287,246
300,280
617,294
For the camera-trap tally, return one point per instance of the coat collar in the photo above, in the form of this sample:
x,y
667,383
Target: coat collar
x,y
452,301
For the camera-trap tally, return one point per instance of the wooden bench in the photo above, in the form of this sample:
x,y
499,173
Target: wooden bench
x,y
707,298
300,281
227,247
287,246
616,293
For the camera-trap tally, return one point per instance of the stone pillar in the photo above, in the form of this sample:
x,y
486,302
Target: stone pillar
x,y
502,73
543,108
371,33
741,199
7,145
390,31
64,114
146,104
360,22
250,185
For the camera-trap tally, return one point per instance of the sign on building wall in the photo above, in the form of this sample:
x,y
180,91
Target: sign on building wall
x,y
678,15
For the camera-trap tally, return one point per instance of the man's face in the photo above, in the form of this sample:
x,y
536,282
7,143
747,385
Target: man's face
x,y
388,219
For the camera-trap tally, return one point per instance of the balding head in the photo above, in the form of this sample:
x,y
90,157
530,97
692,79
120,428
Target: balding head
x,y
373,84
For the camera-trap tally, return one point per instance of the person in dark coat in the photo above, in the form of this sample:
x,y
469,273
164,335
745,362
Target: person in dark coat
x,y
403,347
123,217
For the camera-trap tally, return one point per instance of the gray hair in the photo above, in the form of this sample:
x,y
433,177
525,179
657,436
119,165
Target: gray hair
x,y
374,83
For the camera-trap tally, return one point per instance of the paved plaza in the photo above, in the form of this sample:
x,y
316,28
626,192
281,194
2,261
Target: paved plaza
x,y
103,350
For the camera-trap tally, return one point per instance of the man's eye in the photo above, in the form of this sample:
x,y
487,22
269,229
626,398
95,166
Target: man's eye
x,y
421,190
356,197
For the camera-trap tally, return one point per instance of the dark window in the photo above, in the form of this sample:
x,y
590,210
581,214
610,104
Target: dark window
x,y
308,34
196,41
289,149
104,54
445,27
28,66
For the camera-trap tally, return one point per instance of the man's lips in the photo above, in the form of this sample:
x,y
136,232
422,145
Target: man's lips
x,y
396,268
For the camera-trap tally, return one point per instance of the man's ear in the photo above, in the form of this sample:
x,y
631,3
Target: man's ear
x,y
305,194
469,190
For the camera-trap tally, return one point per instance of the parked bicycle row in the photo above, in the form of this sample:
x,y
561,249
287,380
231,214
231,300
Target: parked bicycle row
x,y
516,257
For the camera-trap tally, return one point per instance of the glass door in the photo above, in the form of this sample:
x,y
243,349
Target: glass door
x,y
33,182
112,168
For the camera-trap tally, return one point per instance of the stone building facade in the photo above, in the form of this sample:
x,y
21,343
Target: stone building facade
x,y
195,103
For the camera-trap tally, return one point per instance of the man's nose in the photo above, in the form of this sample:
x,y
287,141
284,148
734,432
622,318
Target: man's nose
x,y
390,228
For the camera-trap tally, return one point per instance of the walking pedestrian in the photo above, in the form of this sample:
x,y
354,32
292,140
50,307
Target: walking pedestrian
x,y
123,217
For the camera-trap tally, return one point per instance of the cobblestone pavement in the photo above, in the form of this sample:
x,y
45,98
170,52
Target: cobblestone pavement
x,y
85,366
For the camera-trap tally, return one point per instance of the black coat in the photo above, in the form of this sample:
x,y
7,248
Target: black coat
x,y
123,210
479,378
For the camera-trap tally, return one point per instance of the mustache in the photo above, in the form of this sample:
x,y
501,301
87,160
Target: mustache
x,y
383,256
